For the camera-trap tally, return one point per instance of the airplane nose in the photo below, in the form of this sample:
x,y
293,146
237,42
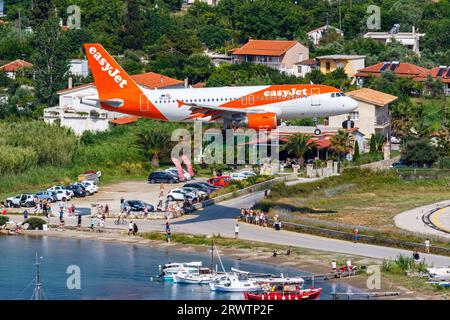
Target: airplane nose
x,y
351,104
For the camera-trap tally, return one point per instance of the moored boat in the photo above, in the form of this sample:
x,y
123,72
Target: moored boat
x,y
171,269
232,283
307,294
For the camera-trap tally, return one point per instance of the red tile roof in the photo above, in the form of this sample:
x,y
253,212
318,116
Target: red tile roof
x,y
15,65
154,80
125,120
445,76
150,80
404,69
199,85
274,48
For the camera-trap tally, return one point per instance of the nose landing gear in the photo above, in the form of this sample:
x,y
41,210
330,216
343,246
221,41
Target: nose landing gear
x,y
317,131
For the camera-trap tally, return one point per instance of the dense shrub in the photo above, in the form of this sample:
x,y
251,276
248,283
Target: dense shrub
x,y
35,223
16,159
3,220
52,144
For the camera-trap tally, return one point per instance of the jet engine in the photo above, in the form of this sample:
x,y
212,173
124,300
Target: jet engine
x,y
267,121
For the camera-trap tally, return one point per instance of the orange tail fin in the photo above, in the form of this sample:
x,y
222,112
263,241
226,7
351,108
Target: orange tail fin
x,y
114,85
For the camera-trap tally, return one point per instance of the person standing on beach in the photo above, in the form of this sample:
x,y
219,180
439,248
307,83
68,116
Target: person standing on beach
x,y
92,223
236,231
25,214
79,221
356,235
102,224
122,200
427,245
135,229
130,228
169,235
167,226
333,265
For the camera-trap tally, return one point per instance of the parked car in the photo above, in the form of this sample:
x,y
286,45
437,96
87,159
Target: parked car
x,y
98,173
174,171
47,195
248,173
77,191
21,200
181,195
162,176
60,188
63,195
398,165
238,176
87,189
138,205
209,185
219,181
199,193
90,186
199,186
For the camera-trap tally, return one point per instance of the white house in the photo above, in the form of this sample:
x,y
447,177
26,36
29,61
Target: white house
x,y
72,113
410,40
372,114
317,34
306,66
79,67
277,54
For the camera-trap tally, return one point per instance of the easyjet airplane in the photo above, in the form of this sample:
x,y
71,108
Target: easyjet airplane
x,y
256,107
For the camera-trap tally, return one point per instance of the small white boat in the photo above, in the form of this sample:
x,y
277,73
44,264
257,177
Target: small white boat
x,y
171,269
203,277
232,283
270,279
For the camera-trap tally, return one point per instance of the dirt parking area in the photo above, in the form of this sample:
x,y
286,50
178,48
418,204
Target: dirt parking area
x,y
111,194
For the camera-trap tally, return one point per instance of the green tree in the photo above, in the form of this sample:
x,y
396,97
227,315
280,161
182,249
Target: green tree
x,y
154,141
50,61
341,143
41,12
132,34
419,153
213,37
298,145
373,144
356,154
198,68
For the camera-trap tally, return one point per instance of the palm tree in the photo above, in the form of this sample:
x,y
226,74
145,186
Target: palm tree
x,y
341,143
154,142
298,144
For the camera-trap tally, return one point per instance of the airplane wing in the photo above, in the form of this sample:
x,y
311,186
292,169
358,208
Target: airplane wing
x,y
216,112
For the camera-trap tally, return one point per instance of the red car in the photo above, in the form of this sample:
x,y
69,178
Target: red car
x,y
220,181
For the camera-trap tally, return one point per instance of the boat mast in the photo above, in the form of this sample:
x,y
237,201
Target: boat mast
x,y
212,256
37,290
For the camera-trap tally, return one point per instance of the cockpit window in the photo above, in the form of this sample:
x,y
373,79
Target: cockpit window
x,y
333,95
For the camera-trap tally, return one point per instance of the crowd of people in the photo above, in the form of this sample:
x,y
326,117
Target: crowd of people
x,y
254,216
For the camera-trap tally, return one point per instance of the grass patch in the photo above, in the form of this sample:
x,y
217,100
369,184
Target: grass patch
x,y
372,200
219,241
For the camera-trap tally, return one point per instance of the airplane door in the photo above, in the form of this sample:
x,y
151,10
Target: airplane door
x,y
315,97
251,100
144,103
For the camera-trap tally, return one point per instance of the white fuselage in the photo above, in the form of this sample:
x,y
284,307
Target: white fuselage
x,y
285,107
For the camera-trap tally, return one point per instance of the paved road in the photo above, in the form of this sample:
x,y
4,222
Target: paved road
x,y
411,220
221,218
